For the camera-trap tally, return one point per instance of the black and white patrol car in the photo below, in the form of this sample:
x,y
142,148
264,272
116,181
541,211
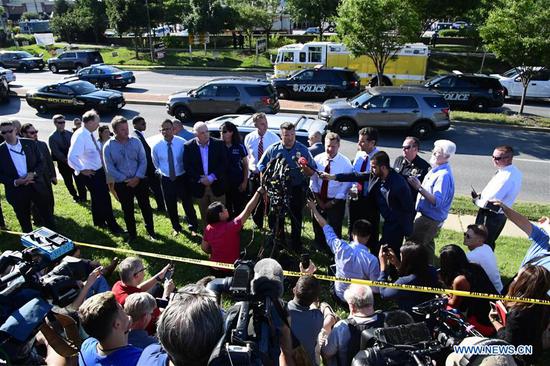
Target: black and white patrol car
x,y
318,84
468,91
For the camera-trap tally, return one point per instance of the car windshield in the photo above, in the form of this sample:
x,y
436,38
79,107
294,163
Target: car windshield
x,y
24,54
511,73
360,99
110,69
81,87
433,80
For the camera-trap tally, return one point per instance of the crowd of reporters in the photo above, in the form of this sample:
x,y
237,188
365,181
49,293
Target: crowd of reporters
x,y
126,324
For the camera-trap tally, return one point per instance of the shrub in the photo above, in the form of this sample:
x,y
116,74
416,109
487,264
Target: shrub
x,y
20,38
276,41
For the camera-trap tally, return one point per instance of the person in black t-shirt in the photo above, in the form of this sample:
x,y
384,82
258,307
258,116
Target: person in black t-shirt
x,y
410,164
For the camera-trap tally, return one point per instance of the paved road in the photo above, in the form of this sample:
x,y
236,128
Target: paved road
x,y
166,82
472,164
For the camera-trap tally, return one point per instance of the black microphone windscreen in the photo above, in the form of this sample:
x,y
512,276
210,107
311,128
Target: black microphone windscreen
x,y
268,278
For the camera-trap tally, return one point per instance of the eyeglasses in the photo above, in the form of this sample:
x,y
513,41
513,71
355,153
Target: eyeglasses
x,y
60,122
406,147
5,132
141,270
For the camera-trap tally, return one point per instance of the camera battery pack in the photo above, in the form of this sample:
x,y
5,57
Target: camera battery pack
x,y
48,242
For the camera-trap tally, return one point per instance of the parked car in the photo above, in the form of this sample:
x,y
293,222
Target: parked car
x,y
74,60
74,95
312,30
318,83
105,76
539,86
8,74
4,89
20,60
305,125
468,91
413,109
222,96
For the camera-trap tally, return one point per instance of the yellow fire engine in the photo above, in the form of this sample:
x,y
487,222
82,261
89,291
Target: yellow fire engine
x,y
408,66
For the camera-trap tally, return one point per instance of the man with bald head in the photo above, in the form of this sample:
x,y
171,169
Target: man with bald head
x,y
205,162
315,141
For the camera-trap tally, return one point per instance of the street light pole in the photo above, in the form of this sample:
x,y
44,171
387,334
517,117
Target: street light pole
x,y
149,30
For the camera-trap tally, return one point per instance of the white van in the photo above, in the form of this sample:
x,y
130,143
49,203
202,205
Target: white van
x,y
539,86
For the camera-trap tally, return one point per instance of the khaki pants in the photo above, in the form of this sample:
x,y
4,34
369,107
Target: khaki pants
x,y
424,232
206,200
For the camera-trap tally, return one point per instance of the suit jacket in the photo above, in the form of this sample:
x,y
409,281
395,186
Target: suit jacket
x,y
316,149
217,164
150,167
49,168
8,172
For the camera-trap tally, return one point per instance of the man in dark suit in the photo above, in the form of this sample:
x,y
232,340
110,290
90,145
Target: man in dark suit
x,y
205,162
152,177
50,177
315,141
22,173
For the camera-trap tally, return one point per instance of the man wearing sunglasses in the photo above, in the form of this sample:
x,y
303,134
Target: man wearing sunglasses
x,y
22,173
410,163
503,186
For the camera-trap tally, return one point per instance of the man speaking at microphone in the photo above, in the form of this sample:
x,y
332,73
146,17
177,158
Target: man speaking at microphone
x,y
291,150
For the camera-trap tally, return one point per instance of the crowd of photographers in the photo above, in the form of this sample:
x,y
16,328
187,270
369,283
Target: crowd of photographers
x,y
394,214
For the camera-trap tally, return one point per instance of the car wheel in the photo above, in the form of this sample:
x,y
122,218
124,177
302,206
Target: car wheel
x,y
246,110
41,67
41,108
283,93
480,105
24,68
385,81
182,113
421,129
106,85
53,68
331,29
345,127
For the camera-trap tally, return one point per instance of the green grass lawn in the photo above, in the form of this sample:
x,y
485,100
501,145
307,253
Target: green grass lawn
x,y
501,118
463,205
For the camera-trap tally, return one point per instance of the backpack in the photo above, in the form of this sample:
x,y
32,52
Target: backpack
x,y
355,330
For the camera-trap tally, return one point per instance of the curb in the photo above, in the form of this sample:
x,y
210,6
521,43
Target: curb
x,y
194,68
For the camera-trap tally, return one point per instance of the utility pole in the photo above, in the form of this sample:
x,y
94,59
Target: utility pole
x,y
149,31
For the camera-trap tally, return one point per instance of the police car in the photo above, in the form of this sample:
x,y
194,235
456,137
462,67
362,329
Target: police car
x,y
468,91
74,94
318,84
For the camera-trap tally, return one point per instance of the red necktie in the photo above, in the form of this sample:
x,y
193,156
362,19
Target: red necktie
x,y
324,185
363,168
260,148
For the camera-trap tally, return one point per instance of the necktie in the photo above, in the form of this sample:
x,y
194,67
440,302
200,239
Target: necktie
x,y
324,185
98,149
171,166
362,170
260,148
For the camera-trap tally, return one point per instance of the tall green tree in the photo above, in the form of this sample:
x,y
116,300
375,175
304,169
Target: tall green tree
x,y
60,7
518,32
210,16
384,26
76,21
255,14
318,12
126,16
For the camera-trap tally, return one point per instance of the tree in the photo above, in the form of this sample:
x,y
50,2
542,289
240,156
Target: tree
x,y
208,16
28,15
61,7
127,15
518,32
318,12
383,27
254,14
75,21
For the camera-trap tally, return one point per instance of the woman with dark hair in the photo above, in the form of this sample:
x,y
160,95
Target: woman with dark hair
x,y
237,169
222,236
413,269
525,323
458,273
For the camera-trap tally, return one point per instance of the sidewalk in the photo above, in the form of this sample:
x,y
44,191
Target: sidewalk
x,y
460,223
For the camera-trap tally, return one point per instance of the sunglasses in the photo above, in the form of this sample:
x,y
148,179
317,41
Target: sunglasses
x,y
60,122
32,132
467,236
6,132
406,147
497,158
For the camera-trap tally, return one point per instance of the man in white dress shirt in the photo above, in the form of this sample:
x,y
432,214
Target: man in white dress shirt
x,y
482,254
85,157
504,186
330,195
256,143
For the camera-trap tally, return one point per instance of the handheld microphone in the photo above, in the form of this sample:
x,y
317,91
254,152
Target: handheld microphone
x,y
303,162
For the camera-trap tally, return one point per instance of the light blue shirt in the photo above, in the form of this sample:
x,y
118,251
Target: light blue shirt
x,y
291,155
124,160
440,182
539,249
159,153
353,260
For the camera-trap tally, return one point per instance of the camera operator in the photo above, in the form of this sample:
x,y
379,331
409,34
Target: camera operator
x,y
105,321
140,307
188,330
291,150
132,275
342,343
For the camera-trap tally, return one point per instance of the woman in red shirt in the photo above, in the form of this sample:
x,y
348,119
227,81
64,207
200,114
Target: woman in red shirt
x,y
221,237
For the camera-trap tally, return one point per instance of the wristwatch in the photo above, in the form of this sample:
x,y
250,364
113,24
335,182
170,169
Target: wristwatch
x,y
420,189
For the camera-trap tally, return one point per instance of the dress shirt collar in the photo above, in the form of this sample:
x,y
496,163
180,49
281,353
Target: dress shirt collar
x,y
506,168
17,144
201,145
441,167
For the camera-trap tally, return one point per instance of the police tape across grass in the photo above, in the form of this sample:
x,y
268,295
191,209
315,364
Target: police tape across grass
x,y
201,262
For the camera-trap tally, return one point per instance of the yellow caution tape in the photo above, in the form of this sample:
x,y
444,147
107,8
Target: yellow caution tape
x,y
202,262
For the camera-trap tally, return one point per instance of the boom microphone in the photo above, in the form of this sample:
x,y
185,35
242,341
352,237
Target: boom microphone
x,y
268,278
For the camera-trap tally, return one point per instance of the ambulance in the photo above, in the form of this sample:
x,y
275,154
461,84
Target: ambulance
x,y
407,67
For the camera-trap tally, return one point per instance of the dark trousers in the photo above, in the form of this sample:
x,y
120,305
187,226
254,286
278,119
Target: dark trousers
x,y
102,208
179,190
365,208
494,222
50,202
153,181
126,197
22,201
258,214
297,201
68,177
334,217
393,235
235,200
2,221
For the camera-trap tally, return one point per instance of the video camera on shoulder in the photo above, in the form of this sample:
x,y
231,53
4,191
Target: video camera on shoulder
x,y
238,286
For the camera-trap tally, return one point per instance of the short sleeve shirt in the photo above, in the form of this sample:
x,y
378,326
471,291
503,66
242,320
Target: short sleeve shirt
x,y
235,155
153,355
224,240
125,356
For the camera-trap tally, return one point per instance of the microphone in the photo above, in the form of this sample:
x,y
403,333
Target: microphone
x,y
303,162
268,278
